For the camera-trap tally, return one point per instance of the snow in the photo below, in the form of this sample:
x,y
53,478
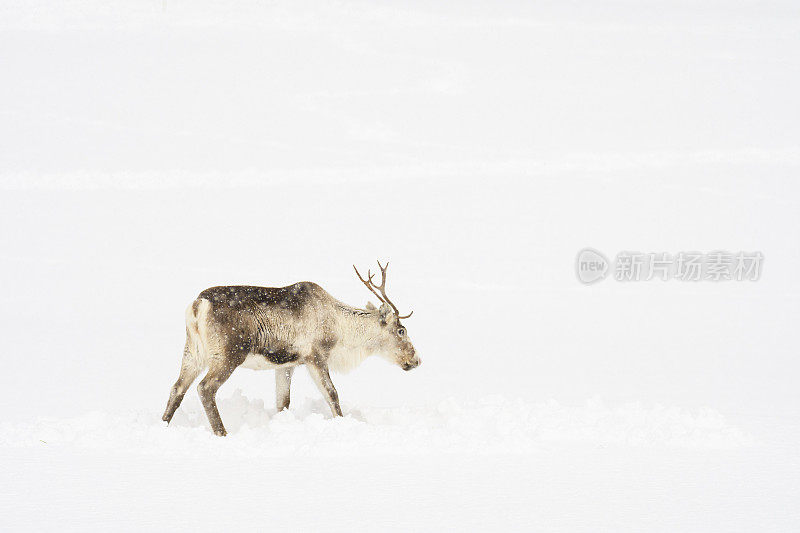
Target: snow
x,y
491,464
150,150
496,463
493,425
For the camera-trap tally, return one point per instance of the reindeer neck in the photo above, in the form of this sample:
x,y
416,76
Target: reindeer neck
x,y
357,326
357,333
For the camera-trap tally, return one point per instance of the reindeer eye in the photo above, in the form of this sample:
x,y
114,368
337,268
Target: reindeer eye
x,y
401,331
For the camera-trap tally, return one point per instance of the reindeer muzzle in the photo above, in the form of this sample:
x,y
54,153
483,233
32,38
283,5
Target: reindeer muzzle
x,y
411,365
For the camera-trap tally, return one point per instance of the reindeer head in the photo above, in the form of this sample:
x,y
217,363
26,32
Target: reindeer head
x,y
392,333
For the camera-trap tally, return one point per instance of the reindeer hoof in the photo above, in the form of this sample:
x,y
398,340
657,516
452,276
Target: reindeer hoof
x,y
220,432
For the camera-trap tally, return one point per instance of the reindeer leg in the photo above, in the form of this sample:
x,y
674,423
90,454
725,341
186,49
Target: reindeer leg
x,y
283,382
188,374
319,373
208,387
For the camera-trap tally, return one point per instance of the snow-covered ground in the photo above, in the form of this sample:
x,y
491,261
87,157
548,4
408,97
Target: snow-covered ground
x,y
491,464
149,150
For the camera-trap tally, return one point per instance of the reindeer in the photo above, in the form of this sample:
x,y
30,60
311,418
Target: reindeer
x,y
280,328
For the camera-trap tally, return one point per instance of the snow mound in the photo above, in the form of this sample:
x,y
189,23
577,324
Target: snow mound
x,y
490,425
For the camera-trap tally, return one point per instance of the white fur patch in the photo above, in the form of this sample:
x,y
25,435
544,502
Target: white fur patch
x,y
196,327
344,359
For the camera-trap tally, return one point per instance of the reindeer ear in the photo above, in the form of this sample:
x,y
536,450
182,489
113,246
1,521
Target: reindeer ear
x,y
370,306
385,311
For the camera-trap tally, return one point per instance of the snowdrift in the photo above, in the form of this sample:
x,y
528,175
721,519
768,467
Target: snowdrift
x,y
490,425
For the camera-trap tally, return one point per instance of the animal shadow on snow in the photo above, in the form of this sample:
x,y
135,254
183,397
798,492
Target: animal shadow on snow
x,y
238,411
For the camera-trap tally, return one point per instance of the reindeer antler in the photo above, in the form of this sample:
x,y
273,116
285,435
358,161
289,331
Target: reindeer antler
x,y
382,287
368,283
